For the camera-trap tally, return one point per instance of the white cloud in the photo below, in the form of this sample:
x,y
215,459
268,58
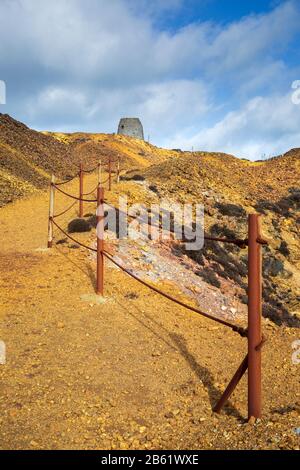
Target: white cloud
x,y
75,64
264,126
98,39
155,7
162,105
251,38
55,100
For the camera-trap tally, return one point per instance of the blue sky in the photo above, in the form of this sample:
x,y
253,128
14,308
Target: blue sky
x,y
222,11
211,75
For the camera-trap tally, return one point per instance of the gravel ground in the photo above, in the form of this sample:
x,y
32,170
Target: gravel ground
x,y
135,372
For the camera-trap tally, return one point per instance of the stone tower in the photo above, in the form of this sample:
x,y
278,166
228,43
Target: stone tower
x,y
131,127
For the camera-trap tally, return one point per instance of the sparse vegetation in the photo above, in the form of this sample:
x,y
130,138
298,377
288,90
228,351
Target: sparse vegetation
x,y
137,371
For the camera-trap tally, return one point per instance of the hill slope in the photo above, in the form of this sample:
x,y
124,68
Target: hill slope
x,y
137,371
28,157
230,188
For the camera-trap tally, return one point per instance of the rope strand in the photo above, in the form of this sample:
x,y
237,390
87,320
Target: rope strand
x,y
242,243
65,211
74,197
73,239
87,194
241,331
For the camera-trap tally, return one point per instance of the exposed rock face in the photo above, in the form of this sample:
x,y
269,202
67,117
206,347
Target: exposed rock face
x,y
229,189
131,127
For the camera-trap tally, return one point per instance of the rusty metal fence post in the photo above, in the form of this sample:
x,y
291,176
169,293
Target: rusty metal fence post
x,y
100,240
252,361
80,190
109,174
254,316
51,212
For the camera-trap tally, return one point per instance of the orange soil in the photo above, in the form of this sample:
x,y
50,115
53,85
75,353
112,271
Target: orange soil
x,y
135,372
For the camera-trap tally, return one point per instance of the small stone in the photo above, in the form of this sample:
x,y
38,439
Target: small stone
x,y
156,354
124,446
252,421
34,444
60,325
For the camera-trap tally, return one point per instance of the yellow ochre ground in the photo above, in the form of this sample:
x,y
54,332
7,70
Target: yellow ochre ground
x,y
136,372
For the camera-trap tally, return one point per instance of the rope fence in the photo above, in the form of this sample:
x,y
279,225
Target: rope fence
x,y
90,192
108,180
81,198
77,198
254,243
241,331
55,216
241,243
73,239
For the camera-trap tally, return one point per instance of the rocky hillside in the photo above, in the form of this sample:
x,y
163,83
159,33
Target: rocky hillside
x,y
230,188
28,157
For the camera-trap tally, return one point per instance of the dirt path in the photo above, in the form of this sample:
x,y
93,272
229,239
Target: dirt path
x,y
134,372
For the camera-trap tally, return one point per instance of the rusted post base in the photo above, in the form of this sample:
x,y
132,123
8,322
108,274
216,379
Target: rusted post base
x,y
232,385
